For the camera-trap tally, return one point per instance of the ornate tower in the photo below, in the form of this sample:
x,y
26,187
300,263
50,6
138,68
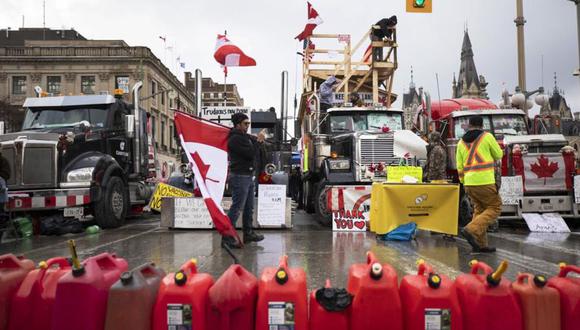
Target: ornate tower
x,y
469,84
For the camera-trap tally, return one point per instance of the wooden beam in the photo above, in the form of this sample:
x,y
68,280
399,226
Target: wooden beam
x,y
324,36
375,86
325,51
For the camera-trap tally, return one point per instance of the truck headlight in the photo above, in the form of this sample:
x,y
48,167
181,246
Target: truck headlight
x,y
339,164
84,174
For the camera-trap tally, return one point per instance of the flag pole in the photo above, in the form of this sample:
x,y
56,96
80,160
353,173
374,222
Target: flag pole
x,y
225,78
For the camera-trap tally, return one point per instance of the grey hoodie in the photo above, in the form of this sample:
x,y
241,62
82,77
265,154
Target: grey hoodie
x,y
326,93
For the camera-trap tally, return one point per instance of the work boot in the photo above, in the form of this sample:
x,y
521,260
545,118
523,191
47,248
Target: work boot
x,y
230,242
471,240
252,236
485,249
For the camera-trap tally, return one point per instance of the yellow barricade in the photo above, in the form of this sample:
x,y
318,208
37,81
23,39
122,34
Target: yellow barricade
x,y
431,206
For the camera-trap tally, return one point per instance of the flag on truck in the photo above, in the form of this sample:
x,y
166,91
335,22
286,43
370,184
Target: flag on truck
x,y
313,21
206,145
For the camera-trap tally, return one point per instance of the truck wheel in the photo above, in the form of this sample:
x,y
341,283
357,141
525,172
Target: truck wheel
x,y
111,210
465,211
309,197
320,204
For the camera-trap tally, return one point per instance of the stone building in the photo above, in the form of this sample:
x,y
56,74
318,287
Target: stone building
x,y
411,102
213,93
468,84
63,62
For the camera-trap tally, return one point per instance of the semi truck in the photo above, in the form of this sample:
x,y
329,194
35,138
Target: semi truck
x,y
545,162
80,155
342,145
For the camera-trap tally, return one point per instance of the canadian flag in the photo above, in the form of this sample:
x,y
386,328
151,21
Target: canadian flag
x,y
313,21
228,54
206,146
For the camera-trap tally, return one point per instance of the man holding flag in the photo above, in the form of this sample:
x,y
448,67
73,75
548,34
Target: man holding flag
x,y
242,164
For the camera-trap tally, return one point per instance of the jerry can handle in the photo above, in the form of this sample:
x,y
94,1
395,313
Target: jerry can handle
x,y
62,263
371,258
283,262
476,266
565,269
106,260
523,276
423,268
189,267
148,269
10,261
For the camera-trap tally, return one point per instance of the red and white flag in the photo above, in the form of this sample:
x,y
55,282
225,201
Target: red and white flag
x,y
206,146
313,21
228,54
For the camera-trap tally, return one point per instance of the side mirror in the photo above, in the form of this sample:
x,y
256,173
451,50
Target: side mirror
x,y
130,125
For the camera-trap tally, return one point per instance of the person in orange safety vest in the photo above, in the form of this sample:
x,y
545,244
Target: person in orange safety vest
x,y
477,152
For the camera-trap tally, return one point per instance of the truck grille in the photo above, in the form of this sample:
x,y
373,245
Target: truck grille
x,y
32,164
377,150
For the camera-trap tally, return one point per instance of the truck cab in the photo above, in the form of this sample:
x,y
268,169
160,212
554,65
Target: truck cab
x,y
524,155
79,155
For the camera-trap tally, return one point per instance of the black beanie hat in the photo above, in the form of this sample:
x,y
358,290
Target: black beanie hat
x,y
238,118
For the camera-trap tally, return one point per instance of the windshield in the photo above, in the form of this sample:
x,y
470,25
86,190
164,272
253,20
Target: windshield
x,y
353,122
509,125
502,124
55,118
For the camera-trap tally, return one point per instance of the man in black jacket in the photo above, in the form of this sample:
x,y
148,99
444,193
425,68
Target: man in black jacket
x,y
242,149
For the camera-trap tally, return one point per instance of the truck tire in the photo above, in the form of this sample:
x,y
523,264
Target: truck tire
x,y
465,211
111,209
320,204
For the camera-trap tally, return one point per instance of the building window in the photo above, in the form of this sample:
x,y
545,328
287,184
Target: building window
x,y
154,89
122,82
53,85
163,98
163,133
88,84
19,85
172,132
171,103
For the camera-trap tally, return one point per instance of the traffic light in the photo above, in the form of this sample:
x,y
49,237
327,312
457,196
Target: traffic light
x,y
419,6
419,3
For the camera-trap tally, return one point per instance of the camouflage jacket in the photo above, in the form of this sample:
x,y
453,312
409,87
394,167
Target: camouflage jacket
x,y
437,164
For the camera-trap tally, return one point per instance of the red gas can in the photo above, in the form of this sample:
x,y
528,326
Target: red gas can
x,y
13,270
81,295
430,301
282,298
540,304
323,318
33,303
376,303
132,297
487,300
569,289
233,300
182,301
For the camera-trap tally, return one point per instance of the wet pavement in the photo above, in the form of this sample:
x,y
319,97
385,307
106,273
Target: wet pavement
x,y
322,253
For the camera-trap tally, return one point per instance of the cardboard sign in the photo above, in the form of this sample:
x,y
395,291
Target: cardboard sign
x,y
192,213
223,115
511,190
165,190
350,207
271,204
547,223
395,174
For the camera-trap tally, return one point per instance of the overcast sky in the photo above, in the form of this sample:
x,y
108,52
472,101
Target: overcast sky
x,y
265,29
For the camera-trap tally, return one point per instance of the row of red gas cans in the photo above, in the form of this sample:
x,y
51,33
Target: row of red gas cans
x,y
103,295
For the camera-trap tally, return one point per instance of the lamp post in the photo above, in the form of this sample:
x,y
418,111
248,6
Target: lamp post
x,y
520,21
577,2
521,100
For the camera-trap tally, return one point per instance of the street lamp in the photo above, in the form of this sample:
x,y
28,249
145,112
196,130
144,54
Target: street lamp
x,y
521,99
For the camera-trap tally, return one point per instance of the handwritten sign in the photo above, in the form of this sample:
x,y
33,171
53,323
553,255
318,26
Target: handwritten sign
x,y
395,174
165,190
192,213
350,207
271,204
511,190
547,223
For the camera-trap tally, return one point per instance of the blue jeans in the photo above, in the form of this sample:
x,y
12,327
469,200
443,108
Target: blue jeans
x,y
242,187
